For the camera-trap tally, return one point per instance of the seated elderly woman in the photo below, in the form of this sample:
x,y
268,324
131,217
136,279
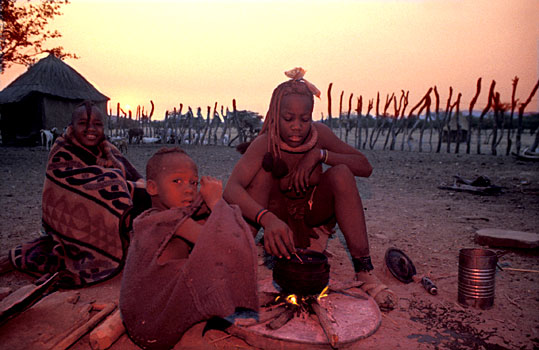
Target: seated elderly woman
x,y
90,196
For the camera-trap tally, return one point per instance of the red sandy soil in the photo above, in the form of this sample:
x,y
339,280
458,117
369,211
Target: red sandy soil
x,y
404,209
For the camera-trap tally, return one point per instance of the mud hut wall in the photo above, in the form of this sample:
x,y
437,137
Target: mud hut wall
x,y
57,111
21,121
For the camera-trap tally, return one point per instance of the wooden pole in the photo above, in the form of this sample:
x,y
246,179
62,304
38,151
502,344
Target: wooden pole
x,y
470,111
481,117
340,115
510,124
521,114
329,105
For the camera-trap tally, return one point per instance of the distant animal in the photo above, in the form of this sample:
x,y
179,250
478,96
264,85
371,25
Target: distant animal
x,y
151,140
135,134
55,133
120,143
46,138
225,139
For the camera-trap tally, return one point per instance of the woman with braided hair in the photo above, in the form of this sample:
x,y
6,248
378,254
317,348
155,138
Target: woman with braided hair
x,y
280,185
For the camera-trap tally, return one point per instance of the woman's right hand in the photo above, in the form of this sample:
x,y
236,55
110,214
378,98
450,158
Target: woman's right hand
x,y
278,237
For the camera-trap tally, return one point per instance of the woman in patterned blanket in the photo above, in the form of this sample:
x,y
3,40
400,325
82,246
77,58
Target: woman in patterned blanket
x,y
90,196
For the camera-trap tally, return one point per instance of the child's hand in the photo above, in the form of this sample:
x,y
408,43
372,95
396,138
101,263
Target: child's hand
x,y
211,190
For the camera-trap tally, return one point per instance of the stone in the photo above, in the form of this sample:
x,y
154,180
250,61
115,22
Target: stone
x,y
495,237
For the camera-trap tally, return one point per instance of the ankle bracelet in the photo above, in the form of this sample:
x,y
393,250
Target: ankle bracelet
x,y
362,264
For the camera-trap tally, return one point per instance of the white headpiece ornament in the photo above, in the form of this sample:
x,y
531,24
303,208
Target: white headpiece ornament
x,y
298,73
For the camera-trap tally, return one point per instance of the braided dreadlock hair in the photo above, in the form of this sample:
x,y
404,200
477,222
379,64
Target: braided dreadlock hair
x,y
295,86
271,123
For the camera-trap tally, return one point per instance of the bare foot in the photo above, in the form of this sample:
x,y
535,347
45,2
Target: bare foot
x,y
385,298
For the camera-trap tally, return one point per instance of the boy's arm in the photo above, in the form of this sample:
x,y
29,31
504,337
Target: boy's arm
x,y
189,230
211,190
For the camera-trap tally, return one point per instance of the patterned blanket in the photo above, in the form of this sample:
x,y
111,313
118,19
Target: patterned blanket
x,y
89,200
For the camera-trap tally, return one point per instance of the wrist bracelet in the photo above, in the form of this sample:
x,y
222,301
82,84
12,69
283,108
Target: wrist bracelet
x,y
260,214
324,155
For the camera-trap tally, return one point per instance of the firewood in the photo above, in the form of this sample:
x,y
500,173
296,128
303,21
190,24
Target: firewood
x,y
104,335
325,322
104,311
281,320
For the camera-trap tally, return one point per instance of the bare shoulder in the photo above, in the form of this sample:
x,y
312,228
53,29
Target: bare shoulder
x,y
258,147
326,137
328,140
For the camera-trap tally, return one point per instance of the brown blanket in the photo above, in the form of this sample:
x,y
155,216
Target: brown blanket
x,y
159,303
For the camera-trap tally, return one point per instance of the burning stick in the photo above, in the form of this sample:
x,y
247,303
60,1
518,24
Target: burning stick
x,y
325,322
297,256
282,319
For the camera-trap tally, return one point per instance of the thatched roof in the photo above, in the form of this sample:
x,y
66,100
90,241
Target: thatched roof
x,y
51,76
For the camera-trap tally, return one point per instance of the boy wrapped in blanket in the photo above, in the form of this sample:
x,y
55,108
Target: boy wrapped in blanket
x,y
184,266
90,196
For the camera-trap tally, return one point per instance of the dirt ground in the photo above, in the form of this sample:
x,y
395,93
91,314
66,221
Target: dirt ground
x,y
404,209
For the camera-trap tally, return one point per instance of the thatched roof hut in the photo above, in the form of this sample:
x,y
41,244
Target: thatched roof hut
x,y
42,98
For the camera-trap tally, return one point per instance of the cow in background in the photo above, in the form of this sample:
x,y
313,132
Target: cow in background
x,y
135,135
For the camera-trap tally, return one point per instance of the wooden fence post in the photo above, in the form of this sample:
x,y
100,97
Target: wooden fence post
x,y
457,118
340,115
470,118
329,106
348,123
521,116
483,113
510,124
359,121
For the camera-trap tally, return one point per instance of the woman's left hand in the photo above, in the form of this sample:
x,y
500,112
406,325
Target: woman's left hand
x,y
300,175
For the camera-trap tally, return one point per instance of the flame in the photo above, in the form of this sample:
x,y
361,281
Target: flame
x,y
292,299
323,293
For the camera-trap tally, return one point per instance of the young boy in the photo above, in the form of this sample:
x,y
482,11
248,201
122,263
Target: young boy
x,y
184,266
90,195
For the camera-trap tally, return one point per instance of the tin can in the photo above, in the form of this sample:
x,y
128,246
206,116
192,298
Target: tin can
x,y
476,277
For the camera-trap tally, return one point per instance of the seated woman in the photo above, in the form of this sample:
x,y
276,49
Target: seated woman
x,y
280,185
90,196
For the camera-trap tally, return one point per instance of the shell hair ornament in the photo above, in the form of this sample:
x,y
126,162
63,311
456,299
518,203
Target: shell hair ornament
x,y
298,73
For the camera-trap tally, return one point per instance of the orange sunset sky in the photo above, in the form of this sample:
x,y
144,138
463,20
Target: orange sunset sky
x,y
201,52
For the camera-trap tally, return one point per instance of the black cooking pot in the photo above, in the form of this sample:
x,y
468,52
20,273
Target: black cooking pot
x,y
307,276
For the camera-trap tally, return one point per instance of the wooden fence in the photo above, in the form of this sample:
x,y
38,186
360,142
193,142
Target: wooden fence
x,y
388,124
